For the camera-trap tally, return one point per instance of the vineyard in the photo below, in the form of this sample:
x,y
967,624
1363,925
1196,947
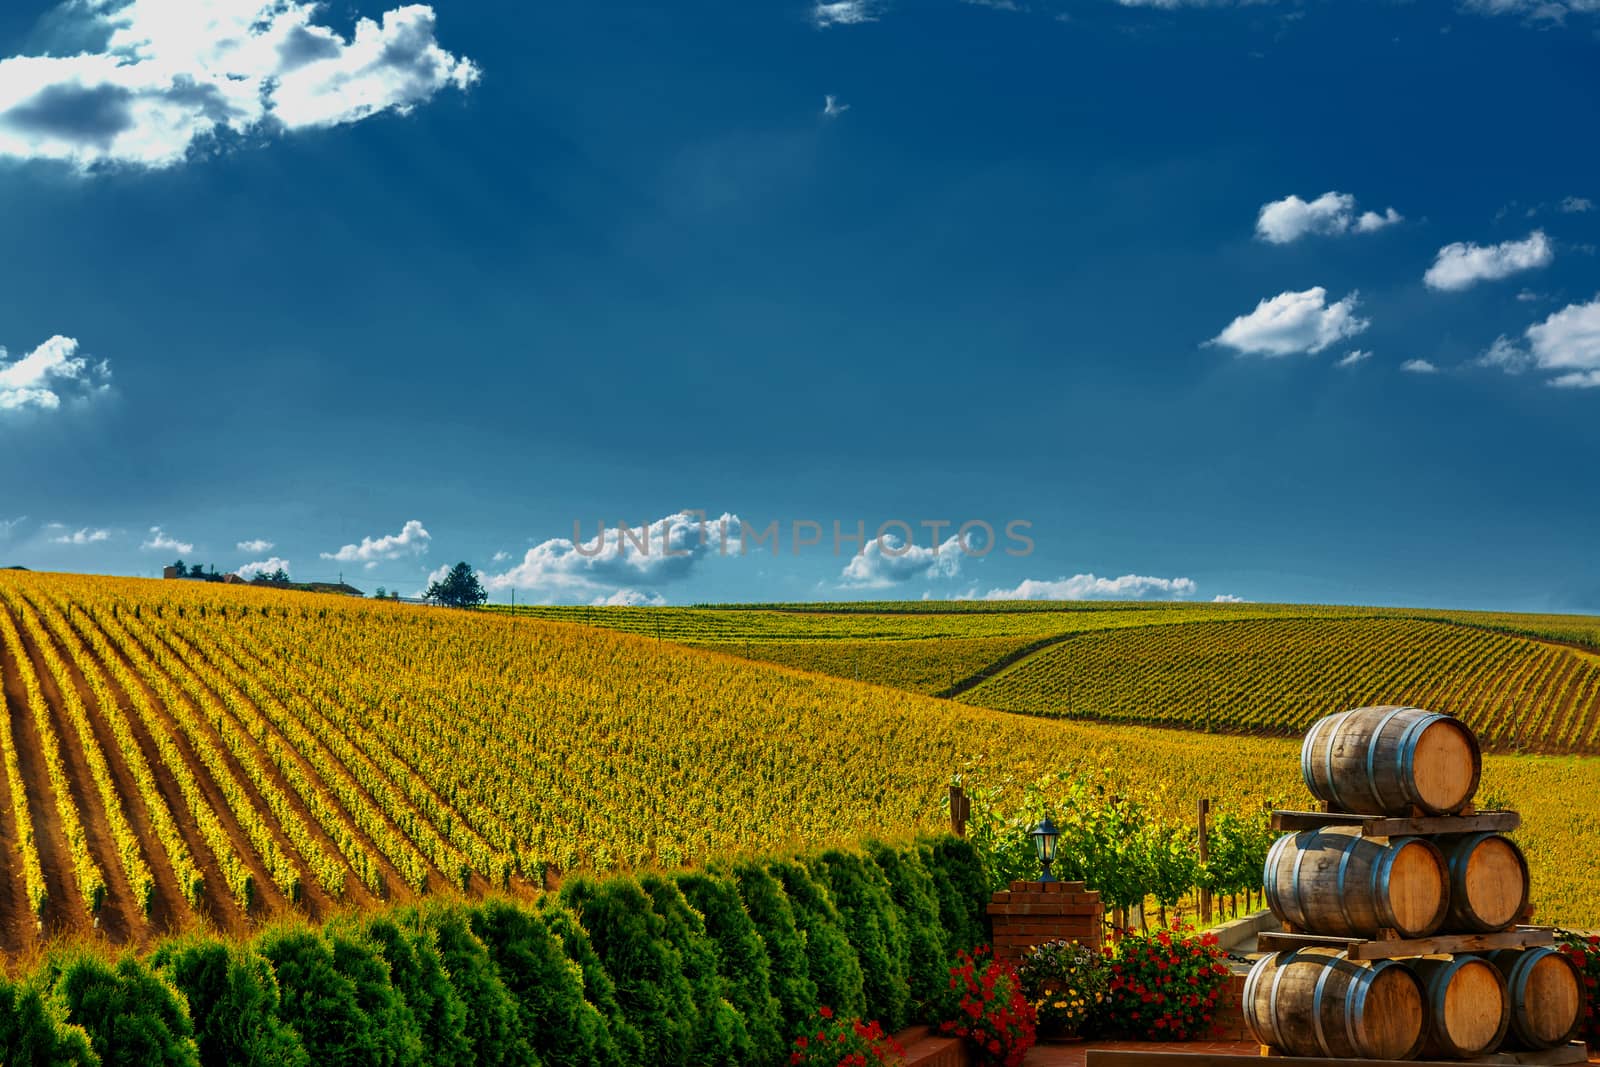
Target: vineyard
x,y
178,754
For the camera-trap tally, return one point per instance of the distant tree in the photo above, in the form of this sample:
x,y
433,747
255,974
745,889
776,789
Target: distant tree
x,y
458,589
197,570
394,594
180,568
380,594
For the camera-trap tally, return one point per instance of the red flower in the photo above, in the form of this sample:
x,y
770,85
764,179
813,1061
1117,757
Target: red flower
x,y
825,1011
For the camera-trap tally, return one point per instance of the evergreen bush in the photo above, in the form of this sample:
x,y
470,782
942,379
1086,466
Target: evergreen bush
x,y
492,1028
874,927
720,1035
831,961
742,964
546,985
132,1017
233,1001
774,920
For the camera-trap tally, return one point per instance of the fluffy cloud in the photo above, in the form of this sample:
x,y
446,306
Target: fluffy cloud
x,y
889,560
629,598
1462,265
1291,218
1354,356
263,566
1418,366
832,108
1089,587
1573,205
1228,598
501,557
412,540
1566,344
1537,11
177,72
7,525
656,553
843,13
1291,323
85,536
256,545
160,541
51,372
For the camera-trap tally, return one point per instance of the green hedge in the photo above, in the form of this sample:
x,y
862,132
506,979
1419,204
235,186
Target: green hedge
x,y
719,966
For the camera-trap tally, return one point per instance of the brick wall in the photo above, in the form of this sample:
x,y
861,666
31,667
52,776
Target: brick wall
x,y
1031,913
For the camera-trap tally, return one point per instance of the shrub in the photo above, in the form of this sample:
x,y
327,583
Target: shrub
x,y
492,1028
912,890
983,1002
1585,952
630,939
962,886
1066,983
875,930
1164,985
419,978
130,1015
720,1034
34,1031
319,1000
620,1041
774,921
397,1039
830,961
742,967
833,1041
546,986
233,1002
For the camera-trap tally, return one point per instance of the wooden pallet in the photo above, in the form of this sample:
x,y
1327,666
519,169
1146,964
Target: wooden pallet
x,y
1389,948
1391,826
1574,1053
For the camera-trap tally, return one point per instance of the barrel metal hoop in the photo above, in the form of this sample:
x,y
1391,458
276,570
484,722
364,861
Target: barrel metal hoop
x,y
1316,1009
1270,876
1356,1017
1264,1028
1306,748
1344,862
1372,756
1272,997
1408,755
1349,1012
1381,905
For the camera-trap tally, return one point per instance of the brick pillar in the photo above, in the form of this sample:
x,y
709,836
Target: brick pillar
x,y
1031,913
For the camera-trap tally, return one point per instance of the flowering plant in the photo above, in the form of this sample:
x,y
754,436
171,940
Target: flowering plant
x,y
1065,981
838,1042
1585,952
1164,985
984,1004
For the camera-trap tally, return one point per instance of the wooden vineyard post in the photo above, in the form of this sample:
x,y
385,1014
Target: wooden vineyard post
x,y
960,806
1204,853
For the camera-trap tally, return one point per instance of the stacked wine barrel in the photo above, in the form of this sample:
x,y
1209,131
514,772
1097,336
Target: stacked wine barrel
x,y
1341,884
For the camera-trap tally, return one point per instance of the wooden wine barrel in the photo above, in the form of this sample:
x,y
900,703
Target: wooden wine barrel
x,y
1333,881
1488,882
1468,1006
1382,761
1546,994
1314,1002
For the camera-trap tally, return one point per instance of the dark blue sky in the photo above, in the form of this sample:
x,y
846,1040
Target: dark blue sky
x,y
625,264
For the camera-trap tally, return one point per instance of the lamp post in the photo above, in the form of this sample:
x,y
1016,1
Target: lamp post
x,y
1044,845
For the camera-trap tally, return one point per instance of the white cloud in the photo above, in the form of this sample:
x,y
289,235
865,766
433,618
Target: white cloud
x,y
412,540
1354,356
54,370
7,525
1228,598
658,552
629,598
501,557
1282,221
1573,205
263,566
1528,296
1568,343
832,108
1418,366
1089,587
1507,355
174,73
1461,265
160,541
1536,11
843,13
85,536
1291,323
889,560
257,545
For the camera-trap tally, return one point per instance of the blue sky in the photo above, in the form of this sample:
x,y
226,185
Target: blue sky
x,y
387,287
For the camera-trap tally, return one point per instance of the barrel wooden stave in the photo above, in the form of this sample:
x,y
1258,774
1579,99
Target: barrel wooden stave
x,y
1314,1002
1469,1008
1488,881
1333,881
1385,760
1546,995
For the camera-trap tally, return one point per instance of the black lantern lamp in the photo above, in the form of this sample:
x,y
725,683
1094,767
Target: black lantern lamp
x,y
1044,844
